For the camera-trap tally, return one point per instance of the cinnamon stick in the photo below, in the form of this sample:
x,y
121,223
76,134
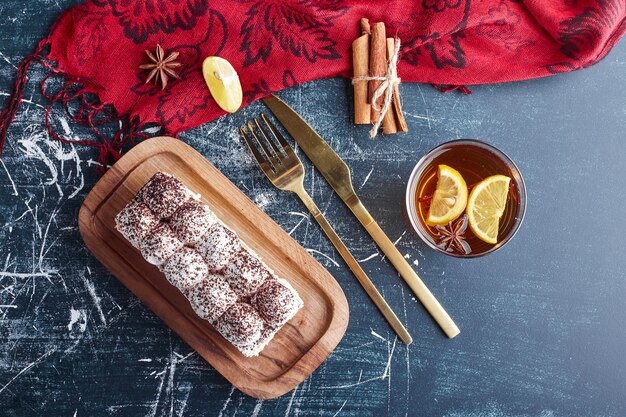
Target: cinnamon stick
x,y
394,119
365,26
360,67
389,121
378,64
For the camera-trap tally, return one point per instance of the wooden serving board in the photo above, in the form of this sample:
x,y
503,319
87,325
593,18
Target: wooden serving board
x,y
297,349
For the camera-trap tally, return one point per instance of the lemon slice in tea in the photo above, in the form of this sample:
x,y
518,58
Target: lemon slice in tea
x,y
485,207
450,197
223,83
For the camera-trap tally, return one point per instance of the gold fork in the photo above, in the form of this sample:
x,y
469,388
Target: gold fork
x,y
284,169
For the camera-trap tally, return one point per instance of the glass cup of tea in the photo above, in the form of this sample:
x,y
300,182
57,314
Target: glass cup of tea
x,y
483,169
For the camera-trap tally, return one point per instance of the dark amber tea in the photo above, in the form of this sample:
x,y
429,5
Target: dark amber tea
x,y
466,198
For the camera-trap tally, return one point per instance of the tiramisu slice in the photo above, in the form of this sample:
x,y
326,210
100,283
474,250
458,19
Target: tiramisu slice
x,y
276,301
245,273
185,269
136,221
211,297
218,246
242,326
164,194
226,283
191,221
160,244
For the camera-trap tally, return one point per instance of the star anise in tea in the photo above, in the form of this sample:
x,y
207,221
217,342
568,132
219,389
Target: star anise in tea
x,y
161,66
452,237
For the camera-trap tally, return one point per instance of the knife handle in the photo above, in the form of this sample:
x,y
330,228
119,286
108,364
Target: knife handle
x,y
406,272
355,267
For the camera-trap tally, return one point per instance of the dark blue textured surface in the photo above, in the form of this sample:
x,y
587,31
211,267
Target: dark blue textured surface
x,y
542,320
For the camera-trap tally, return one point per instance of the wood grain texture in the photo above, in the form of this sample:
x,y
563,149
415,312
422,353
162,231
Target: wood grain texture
x,y
297,349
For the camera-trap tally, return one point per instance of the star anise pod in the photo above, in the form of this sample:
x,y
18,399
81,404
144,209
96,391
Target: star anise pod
x,y
161,66
452,236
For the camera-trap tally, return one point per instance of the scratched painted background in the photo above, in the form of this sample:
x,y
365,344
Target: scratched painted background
x,y
542,320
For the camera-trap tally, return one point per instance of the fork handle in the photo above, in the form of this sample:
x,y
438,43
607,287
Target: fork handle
x,y
413,281
355,267
407,273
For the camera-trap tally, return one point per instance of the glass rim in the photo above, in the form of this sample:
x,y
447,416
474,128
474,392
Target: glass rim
x,y
411,189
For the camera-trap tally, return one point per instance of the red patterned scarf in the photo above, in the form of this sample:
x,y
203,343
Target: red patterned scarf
x,y
97,48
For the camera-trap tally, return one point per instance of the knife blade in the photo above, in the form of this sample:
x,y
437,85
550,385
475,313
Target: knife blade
x,y
332,167
337,174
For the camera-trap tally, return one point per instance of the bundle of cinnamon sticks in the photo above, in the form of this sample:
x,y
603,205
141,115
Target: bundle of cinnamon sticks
x,y
371,54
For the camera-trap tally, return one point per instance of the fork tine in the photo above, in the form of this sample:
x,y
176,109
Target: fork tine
x,y
263,163
269,138
286,147
268,154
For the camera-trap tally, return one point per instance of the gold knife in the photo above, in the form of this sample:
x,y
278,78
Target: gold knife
x,y
337,173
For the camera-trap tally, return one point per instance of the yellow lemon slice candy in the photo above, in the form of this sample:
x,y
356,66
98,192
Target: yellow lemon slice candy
x,y
223,83
486,205
450,197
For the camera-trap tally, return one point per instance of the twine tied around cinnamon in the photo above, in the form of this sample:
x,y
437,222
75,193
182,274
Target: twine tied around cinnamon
x,y
386,88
